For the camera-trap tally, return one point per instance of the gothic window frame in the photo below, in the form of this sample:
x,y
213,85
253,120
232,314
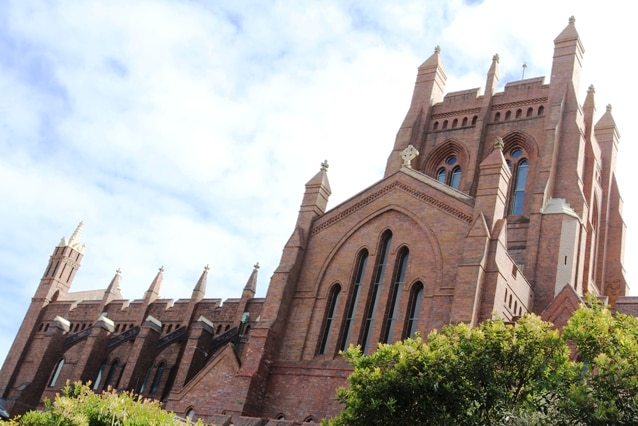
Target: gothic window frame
x,y
415,302
330,317
517,195
517,160
374,292
447,163
354,296
57,370
396,289
157,378
100,374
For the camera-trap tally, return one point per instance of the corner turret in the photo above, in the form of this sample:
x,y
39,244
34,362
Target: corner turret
x,y
428,90
152,294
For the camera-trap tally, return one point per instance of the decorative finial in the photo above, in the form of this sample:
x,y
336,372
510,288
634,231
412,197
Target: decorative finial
x,y
324,166
408,155
572,20
591,89
119,271
498,144
74,240
608,107
496,58
524,68
437,49
206,268
256,266
161,269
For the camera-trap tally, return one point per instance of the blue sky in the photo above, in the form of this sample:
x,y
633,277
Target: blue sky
x,y
182,132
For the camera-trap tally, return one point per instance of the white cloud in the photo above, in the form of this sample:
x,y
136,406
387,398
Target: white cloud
x,y
182,133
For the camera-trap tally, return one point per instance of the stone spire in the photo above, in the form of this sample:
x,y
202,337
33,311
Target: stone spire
x,y
112,292
200,288
568,58
152,293
318,191
589,109
428,90
251,285
114,286
74,241
492,77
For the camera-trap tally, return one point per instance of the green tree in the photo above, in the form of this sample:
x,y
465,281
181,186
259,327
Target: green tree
x,y
78,405
501,374
606,391
493,374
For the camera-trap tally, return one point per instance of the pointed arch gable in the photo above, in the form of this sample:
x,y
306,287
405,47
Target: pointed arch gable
x,y
421,225
442,152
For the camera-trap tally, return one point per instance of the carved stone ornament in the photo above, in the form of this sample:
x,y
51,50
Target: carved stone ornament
x,y
408,155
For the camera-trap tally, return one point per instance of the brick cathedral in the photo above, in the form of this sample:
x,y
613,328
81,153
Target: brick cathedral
x,y
492,201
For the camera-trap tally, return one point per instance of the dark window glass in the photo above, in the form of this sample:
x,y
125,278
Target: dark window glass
x,y
379,271
333,298
455,181
414,306
56,372
395,295
354,299
518,196
157,378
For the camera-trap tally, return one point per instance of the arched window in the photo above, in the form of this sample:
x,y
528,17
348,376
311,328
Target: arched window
x,y
56,372
309,419
519,113
530,111
435,126
464,123
395,295
147,375
455,123
518,164
541,110
157,378
449,172
474,120
331,309
100,374
497,117
379,272
414,306
353,299
112,375
444,124
508,115
190,414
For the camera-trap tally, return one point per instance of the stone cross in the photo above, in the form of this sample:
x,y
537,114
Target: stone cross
x,y
408,155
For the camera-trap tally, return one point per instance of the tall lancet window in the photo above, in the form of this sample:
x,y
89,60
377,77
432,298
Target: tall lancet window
x,y
395,295
373,299
331,309
56,372
518,164
353,298
414,307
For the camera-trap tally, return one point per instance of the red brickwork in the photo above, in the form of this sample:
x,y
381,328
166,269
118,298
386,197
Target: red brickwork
x,y
412,252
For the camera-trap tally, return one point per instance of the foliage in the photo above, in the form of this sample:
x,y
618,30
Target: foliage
x,y
461,375
78,405
501,374
607,353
